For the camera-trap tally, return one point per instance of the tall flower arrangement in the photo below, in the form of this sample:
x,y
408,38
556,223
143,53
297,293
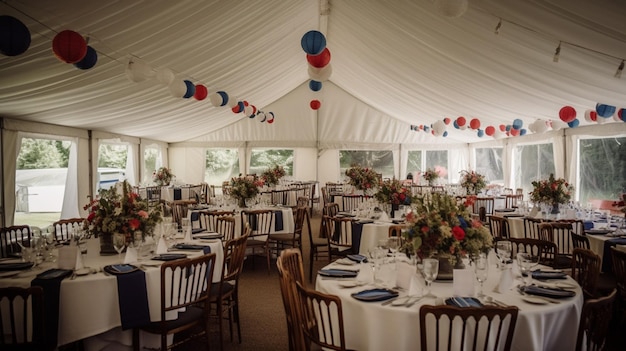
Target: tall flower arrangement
x,y
243,188
162,176
271,176
473,182
552,191
392,191
362,178
439,225
430,175
120,210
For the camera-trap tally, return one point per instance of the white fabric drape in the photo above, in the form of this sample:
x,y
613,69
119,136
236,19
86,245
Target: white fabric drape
x,y
10,147
70,208
132,164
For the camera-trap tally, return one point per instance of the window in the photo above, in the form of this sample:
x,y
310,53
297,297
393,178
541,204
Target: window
x,y
438,160
532,162
381,161
221,165
262,159
111,164
151,156
489,164
420,160
414,163
602,169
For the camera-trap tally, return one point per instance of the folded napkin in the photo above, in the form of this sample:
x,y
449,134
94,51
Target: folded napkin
x,y
278,221
131,255
547,292
184,246
357,231
197,230
357,258
161,246
548,275
169,256
117,269
50,282
132,295
463,302
338,273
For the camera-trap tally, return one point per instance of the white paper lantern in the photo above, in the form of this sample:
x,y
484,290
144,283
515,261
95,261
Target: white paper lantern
x,y
558,124
138,71
178,88
451,8
216,99
320,74
165,76
541,126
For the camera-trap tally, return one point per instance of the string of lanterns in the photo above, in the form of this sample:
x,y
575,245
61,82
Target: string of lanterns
x,y
71,47
313,43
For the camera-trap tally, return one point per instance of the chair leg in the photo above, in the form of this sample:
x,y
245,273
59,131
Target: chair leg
x,y
311,257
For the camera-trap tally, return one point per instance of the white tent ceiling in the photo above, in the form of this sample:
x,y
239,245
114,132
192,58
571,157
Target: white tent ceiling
x,y
395,63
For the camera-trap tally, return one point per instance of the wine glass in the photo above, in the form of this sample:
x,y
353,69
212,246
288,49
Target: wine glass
x,y
429,270
503,251
393,243
481,269
119,243
526,262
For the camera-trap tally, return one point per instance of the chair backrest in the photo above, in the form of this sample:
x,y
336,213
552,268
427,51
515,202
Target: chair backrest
x,y
339,231
195,193
321,319
499,227
396,230
580,241
206,192
65,229
560,234
186,282
302,201
594,324
291,261
290,270
467,328
586,271
260,221
280,197
208,219
22,319
180,208
546,250
330,210
618,260
531,227
334,188
578,226
352,202
11,238
153,195
234,255
483,206
519,191
513,201
225,225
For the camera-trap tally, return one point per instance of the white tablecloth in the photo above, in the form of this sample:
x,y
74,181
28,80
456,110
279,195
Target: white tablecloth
x,y
371,326
88,305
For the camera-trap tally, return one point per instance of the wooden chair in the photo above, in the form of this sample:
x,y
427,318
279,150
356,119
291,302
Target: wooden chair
x,y
594,324
281,241
586,271
185,290
561,235
339,230
352,202
578,226
64,229
290,270
260,222
618,260
302,201
208,219
483,207
499,227
531,227
329,210
546,250
580,241
206,193
320,319
396,230
454,328
22,318
225,293
11,238
314,198
519,191
153,196
513,201
180,209
318,248
225,225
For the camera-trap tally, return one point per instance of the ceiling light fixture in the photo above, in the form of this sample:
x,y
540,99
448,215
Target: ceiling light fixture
x,y
618,73
497,30
557,53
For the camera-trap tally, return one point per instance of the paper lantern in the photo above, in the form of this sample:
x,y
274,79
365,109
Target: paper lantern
x,y
522,131
517,124
591,116
490,130
69,46
138,71
480,133
541,126
514,132
315,85
201,92
320,74
439,127
320,60
474,123
605,111
245,103
14,36
178,88
165,76
313,42
567,114
461,121
507,128
573,124
455,124
315,104
89,60
445,134
451,8
502,128
622,114
239,107
190,89
248,111
270,118
446,121
262,116
224,97
232,102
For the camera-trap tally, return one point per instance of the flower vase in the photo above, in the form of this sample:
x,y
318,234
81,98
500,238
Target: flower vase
x,y
555,209
242,202
445,267
106,244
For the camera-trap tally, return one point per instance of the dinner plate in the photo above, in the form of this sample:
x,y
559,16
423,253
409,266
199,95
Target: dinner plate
x,y
338,273
117,269
597,231
208,236
83,271
535,300
345,261
547,292
375,295
357,258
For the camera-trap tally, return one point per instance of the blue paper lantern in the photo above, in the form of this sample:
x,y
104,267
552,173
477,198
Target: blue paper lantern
x,y
480,133
224,97
523,131
89,60
573,124
605,111
313,42
507,128
315,85
191,89
426,128
14,36
517,123
445,134
241,105
455,124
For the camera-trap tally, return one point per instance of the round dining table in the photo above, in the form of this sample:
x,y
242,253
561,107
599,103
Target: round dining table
x,y
541,325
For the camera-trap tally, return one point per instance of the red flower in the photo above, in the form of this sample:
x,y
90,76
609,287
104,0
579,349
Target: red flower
x,y
91,216
458,233
425,229
134,223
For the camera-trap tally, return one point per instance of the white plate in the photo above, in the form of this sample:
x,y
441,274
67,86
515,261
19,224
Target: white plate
x,y
8,274
83,271
345,261
351,284
535,300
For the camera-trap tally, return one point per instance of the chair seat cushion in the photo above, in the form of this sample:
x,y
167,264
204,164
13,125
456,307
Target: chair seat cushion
x,y
192,314
320,241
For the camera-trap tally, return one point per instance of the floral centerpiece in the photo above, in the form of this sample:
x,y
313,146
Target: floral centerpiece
x,y
162,176
243,188
119,210
430,175
551,192
362,178
439,225
393,192
473,182
271,176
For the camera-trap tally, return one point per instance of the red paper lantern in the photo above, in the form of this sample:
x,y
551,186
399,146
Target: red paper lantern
x,y
201,92
490,130
320,60
502,128
69,46
446,121
514,132
474,123
567,114
315,104
461,121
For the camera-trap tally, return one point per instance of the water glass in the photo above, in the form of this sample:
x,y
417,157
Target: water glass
x,y
503,251
481,270
430,268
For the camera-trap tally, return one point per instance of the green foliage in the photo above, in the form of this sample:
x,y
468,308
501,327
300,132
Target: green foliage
x,y
113,156
42,154
602,168
262,159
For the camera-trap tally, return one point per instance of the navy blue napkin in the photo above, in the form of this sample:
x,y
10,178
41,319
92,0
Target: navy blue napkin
x,y
607,259
357,230
195,216
132,294
50,282
278,221
178,194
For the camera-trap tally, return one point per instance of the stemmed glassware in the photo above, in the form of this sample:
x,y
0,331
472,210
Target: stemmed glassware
x,y
503,251
119,243
481,270
430,268
526,262
393,243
